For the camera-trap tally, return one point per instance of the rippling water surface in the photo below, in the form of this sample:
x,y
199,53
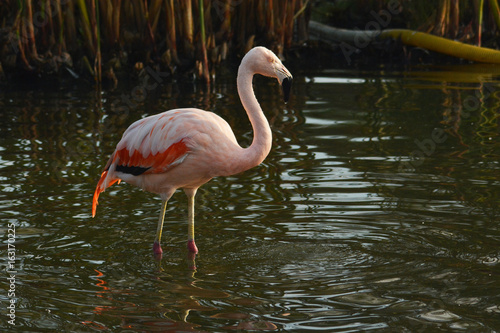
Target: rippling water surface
x,y
377,208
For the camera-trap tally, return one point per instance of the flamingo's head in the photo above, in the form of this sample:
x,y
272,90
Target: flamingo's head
x,y
263,61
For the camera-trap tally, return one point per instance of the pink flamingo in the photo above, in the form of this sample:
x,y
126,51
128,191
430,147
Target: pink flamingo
x,y
185,148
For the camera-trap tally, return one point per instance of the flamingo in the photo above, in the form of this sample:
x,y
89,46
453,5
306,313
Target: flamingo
x,y
185,148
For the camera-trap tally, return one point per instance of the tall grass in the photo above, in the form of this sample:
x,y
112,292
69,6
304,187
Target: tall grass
x,y
98,37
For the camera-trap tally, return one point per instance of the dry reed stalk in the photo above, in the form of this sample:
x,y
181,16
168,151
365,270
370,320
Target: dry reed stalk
x,y
154,14
47,32
70,25
442,18
116,21
454,19
270,19
289,20
30,29
97,40
495,11
106,10
61,43
225,28
149,28
134,17
171,31
21,47
301,19
201,12
92,31
478,5
86,27
187,24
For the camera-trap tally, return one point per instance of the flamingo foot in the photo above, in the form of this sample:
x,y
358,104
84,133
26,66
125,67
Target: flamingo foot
x,y
158,252
192,246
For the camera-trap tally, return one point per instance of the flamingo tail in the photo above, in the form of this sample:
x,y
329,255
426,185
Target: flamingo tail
x,y
101,186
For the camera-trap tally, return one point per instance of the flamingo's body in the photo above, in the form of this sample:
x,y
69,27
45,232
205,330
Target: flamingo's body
x,y
185,148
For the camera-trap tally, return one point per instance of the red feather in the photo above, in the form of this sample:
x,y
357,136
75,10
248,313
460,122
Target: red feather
x,y
157,163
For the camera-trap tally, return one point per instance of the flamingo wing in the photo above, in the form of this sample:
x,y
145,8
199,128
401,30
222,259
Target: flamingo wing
x,y
151,145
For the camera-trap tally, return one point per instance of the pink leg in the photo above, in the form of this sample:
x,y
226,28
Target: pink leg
x,y
192,246
157,248
156,245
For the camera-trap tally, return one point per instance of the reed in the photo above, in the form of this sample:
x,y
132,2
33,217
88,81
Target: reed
x,y
495,11
102,37
97,37
204,71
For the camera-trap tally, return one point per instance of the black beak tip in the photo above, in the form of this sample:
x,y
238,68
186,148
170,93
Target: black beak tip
x,y
286,85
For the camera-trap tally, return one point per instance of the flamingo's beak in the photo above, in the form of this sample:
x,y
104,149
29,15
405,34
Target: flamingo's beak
x,y
285,79
286,85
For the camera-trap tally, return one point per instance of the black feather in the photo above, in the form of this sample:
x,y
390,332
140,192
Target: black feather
x,y
133,170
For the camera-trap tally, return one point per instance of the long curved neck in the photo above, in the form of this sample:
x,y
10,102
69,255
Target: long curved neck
x,y
262,136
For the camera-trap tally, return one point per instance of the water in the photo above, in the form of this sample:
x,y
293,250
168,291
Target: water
x,y
377,209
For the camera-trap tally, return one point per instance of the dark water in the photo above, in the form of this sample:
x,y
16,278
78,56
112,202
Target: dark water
x,y
377,209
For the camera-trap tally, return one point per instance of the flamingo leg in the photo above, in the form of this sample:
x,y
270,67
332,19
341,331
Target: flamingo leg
x,y
156,246
191,244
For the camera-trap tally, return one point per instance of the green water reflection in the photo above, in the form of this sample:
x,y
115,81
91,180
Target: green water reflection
x,y
376,209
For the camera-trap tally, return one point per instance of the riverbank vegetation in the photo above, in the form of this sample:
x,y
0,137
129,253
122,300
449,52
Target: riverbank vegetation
x,y
104,39
101,38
